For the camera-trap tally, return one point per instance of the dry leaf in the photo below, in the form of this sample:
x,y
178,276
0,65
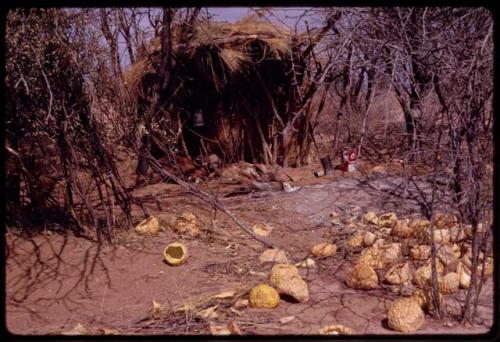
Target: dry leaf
x,y
79,329
241,303
337,329
156,309
219,330
308,263
208,313
286,319
106,331
233,310
150,226
225,294
233,328
262,229
260,274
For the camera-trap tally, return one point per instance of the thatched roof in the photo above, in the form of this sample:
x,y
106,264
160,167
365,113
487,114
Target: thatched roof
x,y
233,44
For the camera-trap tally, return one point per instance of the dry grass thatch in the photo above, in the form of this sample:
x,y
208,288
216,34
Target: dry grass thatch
x,y
233,44
241,70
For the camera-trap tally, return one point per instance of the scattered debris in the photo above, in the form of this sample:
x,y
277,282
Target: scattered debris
x,y
405,315
420,252
264,296
422,276
156,309
336,329
355,241
262,229
225,294
307,263
149,226
449,283
188,223
107,331
324,249
448,324
372,257
398,274
274,255
209,313
319,173
371,218
231,328
402,229
286,319
79,329
288,188
387,220
175,253
362,277
368,239
241,303
286,279
390,253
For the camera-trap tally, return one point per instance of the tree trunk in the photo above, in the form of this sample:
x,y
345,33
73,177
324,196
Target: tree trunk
x,y
166,51
112,39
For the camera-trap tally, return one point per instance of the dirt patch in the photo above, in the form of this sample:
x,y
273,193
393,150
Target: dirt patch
x,y
54,282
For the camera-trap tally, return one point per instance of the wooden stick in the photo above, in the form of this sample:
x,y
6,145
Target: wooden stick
x,y
206,197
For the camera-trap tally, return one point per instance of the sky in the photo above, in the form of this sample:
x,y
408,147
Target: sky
x,y
286,16
230,14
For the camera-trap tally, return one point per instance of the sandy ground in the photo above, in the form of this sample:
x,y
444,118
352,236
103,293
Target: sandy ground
x,y
55,282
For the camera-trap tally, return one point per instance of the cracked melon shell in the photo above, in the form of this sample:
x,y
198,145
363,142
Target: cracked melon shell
x,y
422,276
264,296
449,283
286,279
370,218
149,226
273,255
175,253
188,223
336,329
398,274
371,256
324,249
368,239
421,252
402,229
362,277
355,241
405,315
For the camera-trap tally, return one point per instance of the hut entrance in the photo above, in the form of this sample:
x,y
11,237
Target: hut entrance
x,y
234,91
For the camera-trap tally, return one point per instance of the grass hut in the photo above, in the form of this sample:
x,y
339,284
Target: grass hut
x,y
233,90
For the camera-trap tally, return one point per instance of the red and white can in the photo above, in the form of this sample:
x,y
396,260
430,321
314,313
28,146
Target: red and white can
x,y
349,159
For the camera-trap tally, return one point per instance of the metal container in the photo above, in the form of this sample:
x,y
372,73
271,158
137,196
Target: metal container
x,y
326,162
198,119
349,159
